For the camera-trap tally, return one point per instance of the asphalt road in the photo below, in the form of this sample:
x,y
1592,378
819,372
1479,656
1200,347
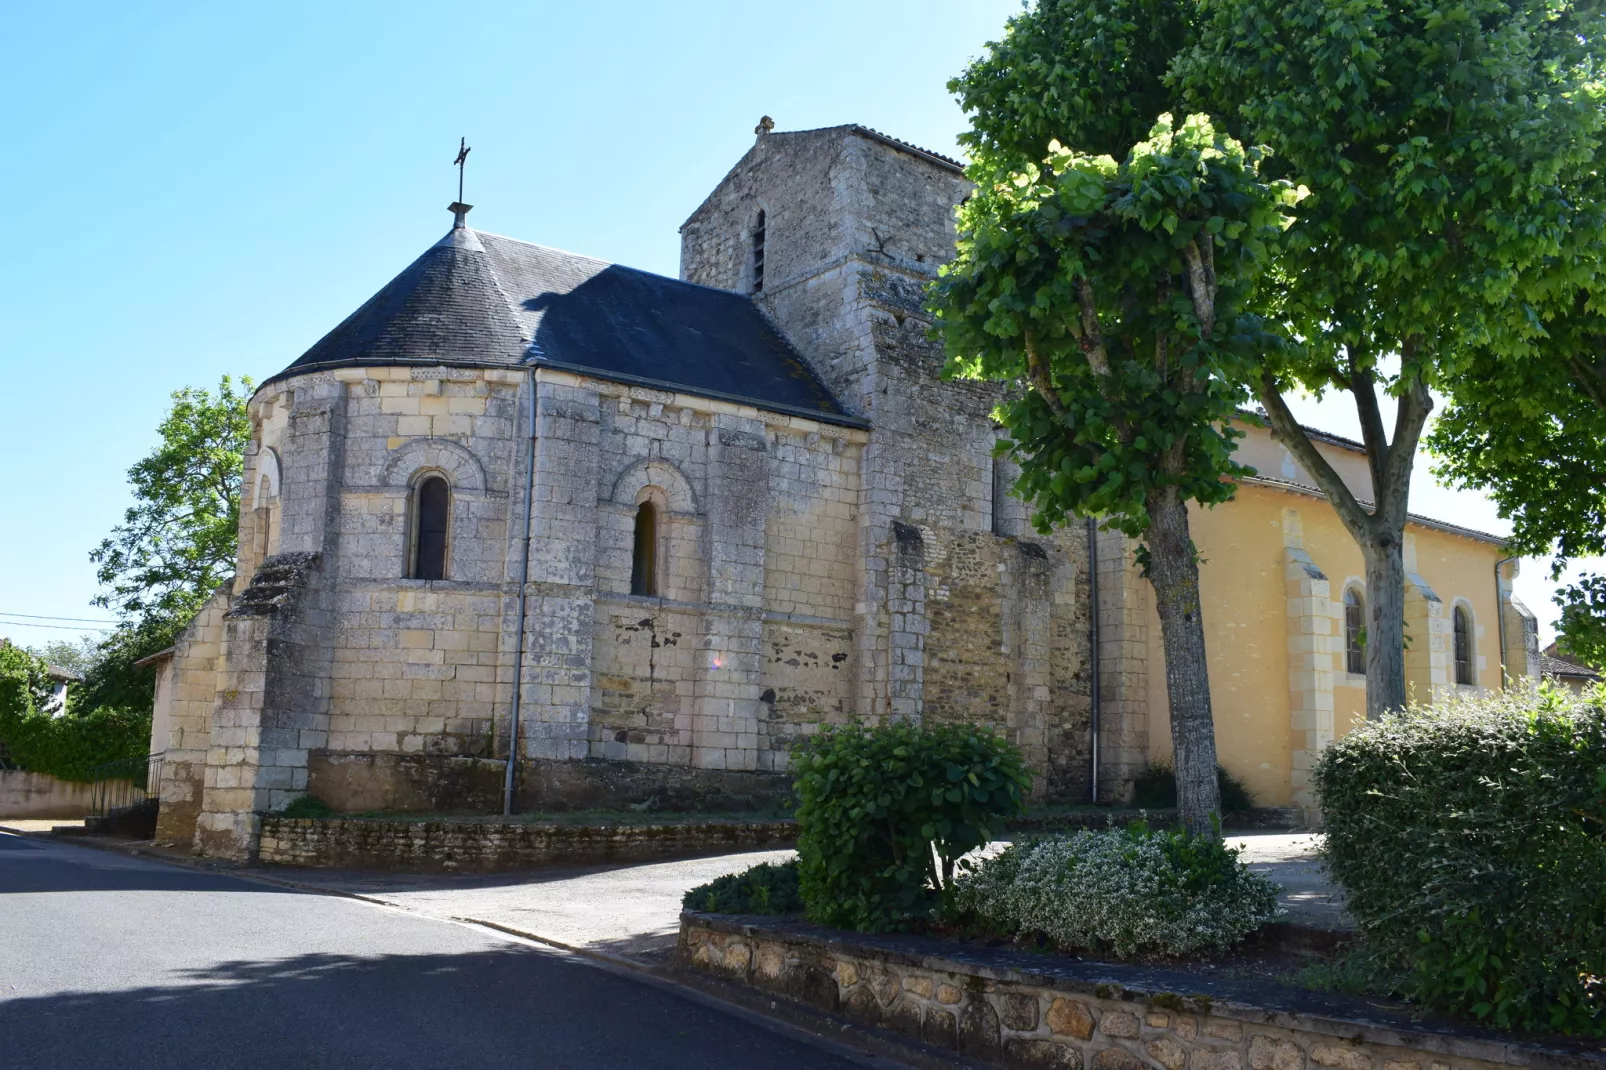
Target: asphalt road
x,y
118,962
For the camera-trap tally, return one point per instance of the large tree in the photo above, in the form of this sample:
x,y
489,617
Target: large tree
x,y
176,544
1115,296
1438,139
177,541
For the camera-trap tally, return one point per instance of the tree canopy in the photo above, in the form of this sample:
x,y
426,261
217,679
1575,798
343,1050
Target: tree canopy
x,y
1441,141
1114,294
178,541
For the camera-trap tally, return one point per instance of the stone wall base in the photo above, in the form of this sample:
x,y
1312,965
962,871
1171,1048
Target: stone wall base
x,y
1003,1007
443,846
430,783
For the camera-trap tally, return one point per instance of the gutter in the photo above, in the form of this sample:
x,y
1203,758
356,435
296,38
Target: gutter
x,y
1093,657
1500,615
524,601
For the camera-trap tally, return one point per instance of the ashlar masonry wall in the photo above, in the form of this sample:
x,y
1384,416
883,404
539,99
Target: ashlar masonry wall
x,y
955,616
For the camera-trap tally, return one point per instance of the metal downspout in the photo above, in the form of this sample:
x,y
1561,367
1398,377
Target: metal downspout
x,y
1500,615
524,601
1093,657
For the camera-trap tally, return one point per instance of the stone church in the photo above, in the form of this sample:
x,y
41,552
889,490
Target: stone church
x,y
650,532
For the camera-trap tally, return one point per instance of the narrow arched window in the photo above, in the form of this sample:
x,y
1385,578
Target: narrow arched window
x,y
431,516
758,252
1354,632
644,558
1000,490
1463,645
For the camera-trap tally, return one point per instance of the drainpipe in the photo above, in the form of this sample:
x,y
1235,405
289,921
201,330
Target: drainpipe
x,y
524,601
1093,658
1500,616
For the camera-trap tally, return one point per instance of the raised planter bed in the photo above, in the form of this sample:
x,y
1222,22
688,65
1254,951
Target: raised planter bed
x,y
1032,1011
1262,818
478,846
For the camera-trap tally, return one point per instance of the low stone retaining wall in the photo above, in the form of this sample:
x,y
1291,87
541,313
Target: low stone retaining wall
x,y
1022,1011
42,795
1261,818
431,846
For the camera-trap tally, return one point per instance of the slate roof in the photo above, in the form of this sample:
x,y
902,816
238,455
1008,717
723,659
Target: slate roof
x,y
481,300
1554,666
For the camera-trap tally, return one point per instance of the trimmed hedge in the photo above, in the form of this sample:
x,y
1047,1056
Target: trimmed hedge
x,y
884,813
1471,838
767,888
70,744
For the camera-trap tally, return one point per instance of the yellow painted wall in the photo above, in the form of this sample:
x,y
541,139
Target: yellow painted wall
x,y
1246,623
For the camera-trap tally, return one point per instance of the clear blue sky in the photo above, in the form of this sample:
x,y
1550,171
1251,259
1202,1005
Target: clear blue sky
x,y
201,189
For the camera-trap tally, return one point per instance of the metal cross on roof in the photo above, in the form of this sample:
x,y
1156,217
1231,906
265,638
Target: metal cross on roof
x,y
462,159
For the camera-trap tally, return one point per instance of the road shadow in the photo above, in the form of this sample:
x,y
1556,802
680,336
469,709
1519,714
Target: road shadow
x,y
29,865
500,1007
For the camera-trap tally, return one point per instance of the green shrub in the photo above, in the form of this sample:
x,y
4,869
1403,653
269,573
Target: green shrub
x,y
69,745
1156,789
884,813
767,888
307,806
1130,893
1471,839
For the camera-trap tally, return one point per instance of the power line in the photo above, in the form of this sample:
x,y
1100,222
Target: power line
x,y
37,616
59,627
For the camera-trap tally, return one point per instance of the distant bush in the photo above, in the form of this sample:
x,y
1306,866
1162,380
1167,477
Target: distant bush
x,y
1471,838
1130,893
307,806
767,888
884,813
1156,789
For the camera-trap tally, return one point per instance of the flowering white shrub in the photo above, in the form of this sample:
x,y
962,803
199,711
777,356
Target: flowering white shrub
x,y
1128,892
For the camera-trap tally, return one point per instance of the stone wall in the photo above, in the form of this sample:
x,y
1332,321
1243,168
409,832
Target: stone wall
x,y
41,795
434,846
419,783
1020,1011
952,619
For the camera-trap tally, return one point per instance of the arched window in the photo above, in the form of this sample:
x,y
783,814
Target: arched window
x,y
758,252
644,558
1354,632
431,514
1463,645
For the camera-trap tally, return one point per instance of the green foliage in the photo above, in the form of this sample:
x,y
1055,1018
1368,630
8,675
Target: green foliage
x,y
1583,620
307,806
884,813
74,656
1075,275
1356,970
1471,838
1156,789
1438,141
111,681
1131,893
71,744
1088,74
767,888
177,543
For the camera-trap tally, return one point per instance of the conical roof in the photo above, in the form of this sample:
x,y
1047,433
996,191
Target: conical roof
x,y
482,300
444,308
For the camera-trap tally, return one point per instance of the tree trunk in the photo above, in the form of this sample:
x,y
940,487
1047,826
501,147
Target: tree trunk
x,y
1380,533
1174,575
1385,621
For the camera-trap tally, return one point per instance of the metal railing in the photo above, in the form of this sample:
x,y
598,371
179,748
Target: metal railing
x,y
120,785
